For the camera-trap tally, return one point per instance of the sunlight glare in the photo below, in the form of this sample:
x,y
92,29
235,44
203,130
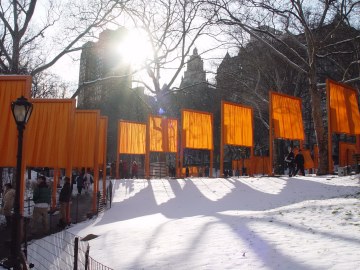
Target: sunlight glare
x,y
135,48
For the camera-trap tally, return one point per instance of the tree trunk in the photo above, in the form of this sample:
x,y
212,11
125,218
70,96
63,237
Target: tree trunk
x,y
320,132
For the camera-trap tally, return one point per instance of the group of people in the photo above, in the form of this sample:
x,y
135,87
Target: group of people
x,y
84,181
294,162
123,170
42,201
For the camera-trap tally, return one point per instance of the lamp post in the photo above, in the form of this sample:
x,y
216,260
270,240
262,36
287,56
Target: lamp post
x,y
21,109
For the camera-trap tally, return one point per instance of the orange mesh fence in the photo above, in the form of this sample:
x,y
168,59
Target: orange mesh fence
x,y
193,171
197,130
132,138
344,109
309,163
238,124
346,152
86,138
11,88
287,117
50,133
255,165
163,134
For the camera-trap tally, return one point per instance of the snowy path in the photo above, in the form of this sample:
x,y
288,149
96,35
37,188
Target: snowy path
x,y
237,223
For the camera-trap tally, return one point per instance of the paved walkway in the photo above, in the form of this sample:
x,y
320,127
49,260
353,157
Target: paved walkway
x,y
81,205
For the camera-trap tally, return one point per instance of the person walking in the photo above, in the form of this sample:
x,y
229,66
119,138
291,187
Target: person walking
x,y
80,181
134,170
290,161
42,200
88,181
300,162
8,203
64,199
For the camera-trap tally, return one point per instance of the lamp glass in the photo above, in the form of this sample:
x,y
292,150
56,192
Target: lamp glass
x,y
21,109
19,113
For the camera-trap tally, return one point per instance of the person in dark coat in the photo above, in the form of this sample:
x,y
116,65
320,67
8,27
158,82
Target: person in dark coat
x,y
300,162
80,181
187,172
42,200
290,161
64,199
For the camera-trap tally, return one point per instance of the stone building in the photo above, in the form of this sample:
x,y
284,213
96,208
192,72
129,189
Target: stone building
x,y
105,83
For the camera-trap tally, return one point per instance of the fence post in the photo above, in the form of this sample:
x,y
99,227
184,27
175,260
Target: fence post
x,y
76,253
77,209
98,197
87,257
110,189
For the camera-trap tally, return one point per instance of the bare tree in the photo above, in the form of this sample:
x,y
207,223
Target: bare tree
x,y
172,28
304,44
31,44
48,85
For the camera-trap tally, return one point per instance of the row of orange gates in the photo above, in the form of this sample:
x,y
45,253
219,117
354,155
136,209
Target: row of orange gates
x,y
60,136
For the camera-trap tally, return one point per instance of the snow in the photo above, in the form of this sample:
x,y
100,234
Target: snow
x,y
235,223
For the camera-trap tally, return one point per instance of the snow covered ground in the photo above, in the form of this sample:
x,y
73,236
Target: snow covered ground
x,y
234,223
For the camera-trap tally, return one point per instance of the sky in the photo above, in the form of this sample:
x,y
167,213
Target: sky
x,y
235,223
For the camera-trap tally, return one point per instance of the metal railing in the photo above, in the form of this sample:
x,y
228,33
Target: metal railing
x,y
62,250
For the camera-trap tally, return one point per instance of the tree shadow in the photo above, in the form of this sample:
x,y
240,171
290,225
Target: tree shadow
x,y
189,201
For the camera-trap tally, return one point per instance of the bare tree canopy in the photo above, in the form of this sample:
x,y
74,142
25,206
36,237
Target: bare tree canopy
x,y
297,32
172,29
31,44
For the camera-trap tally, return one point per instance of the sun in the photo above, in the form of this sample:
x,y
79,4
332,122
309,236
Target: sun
x,y
135,48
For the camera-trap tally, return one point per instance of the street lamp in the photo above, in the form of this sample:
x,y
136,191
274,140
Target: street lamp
x,y
21,109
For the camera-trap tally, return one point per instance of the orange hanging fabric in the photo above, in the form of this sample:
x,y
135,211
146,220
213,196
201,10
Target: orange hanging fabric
x,y
344,109
86,138
163,134
132,138
197,129
11,88
287,117
49,133
238,125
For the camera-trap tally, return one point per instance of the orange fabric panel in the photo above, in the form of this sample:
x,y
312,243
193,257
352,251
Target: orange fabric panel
x,y
102,139
132,138
344,109
238,125
309,163
163,134
11,88
346,152
86,138
287,117
49,133
197,130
